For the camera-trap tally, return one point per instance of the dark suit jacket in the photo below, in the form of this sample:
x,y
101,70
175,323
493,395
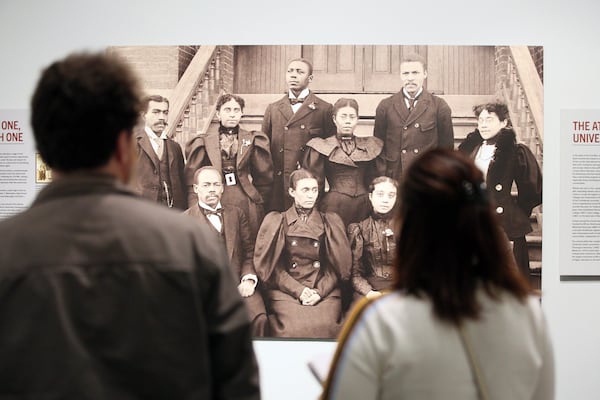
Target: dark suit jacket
x,y
147,180
109,296
288,133
238,242
406,135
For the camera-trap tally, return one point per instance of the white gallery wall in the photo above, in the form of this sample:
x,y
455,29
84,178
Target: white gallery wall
x,y
34,33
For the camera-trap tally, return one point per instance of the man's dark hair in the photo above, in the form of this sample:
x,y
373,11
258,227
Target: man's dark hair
x,y
80,106
156,98
305,61
227,97
414,57
444,206
206,168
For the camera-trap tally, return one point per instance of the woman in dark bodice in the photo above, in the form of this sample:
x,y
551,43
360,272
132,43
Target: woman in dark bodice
x,y
348,162
303,254
243,156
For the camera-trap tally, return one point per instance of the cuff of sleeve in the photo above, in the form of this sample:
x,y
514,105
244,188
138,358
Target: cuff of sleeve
x,y
250,277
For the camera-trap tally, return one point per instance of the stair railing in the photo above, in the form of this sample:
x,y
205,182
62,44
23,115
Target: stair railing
x,y
524,94
192,105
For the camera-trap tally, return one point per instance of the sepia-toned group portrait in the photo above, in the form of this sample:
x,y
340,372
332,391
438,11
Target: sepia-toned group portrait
x,y
294,155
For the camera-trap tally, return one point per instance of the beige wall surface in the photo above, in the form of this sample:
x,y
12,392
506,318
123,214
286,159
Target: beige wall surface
x,y
33,33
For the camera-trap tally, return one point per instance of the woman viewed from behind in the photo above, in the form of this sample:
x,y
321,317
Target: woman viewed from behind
x,y
454,271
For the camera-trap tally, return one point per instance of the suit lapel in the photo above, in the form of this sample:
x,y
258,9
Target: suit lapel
x,y
230,232
146,147
400,107
304,110
285,108
422,105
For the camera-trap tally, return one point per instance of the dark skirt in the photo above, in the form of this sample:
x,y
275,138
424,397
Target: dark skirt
x,y
289,318
257,313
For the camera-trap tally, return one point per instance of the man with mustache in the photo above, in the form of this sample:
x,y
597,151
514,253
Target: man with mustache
x,y
412,120
160,160
231,225
290,123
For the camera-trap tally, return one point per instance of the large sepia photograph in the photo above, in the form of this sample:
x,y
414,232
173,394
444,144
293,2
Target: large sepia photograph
x,y
293,155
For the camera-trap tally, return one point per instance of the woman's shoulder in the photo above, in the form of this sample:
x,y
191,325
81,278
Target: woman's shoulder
x,y
323,145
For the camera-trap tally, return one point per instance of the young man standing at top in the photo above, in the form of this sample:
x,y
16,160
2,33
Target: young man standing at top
x,y
412,120
291,122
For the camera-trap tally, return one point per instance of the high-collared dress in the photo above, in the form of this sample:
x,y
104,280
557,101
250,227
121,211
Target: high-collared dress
x,y
511,164
246,165
349,165
373,243
293,253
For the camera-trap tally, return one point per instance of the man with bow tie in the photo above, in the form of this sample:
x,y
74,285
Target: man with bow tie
x,y
231,225
412,120
160,159
290,123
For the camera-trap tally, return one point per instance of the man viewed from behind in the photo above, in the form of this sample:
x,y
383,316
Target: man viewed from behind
x,y
159,175
106,296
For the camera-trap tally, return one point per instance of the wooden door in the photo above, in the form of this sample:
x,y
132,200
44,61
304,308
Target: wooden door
x,y
336,69
451,70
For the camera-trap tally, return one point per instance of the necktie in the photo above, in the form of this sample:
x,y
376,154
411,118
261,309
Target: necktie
x,y
296,101
411,101
159,149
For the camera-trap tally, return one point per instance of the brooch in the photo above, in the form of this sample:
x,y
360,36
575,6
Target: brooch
x,y
388,232
312,106
245,143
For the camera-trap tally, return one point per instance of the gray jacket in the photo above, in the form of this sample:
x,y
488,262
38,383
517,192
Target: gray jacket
x,y
104,295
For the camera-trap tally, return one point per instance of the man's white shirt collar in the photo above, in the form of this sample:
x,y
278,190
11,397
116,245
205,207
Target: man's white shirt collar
x,y
207,207
303,94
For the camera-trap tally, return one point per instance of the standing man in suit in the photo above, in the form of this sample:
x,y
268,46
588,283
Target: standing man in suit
x,y
291,122
160,175
412,120
231,224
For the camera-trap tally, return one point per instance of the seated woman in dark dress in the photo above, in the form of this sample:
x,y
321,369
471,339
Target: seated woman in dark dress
x,y
302,255
243,156
348,162
373,241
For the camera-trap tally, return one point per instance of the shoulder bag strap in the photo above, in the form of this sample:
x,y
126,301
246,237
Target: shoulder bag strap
x,y
473,364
